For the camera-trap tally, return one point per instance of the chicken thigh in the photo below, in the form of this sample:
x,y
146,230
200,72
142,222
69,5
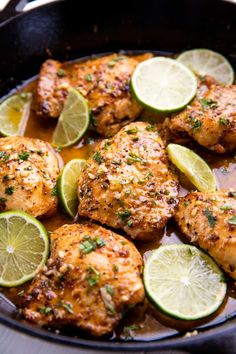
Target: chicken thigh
x,y
103,81
209,220
29,170
129,183
92,277
210,119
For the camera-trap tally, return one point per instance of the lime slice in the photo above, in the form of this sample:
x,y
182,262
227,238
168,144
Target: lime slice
x,y
24,247
193,166
163,84
206,62
184,282
68,184
73,121
14,112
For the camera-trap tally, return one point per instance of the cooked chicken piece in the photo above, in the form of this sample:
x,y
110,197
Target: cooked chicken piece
x,y
92,277
128,183
103,81
209,220
28,173
210,119
52,87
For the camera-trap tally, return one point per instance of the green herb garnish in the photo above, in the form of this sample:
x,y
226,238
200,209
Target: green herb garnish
x,y
54,191
226,207
4,156
123,215
223,121
98,157
232,220
61,72
89,77
210,217
24,155
9,190
67,306
45,310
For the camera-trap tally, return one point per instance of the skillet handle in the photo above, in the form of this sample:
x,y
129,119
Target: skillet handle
x,y
11,8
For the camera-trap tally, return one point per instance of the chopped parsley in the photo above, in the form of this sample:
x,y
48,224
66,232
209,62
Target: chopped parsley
x,y
150,127
135,138
195,123
109,289
223,121
9,190
98,157
89,77
232,220
24,155
60,72
123,215
93,276
5,178
4,156
186,203
3,200
106,145
132,131
130,223
208,103
89,244
133,158
210,217
45,310
112,62
54,191
100,242
67,306
226,207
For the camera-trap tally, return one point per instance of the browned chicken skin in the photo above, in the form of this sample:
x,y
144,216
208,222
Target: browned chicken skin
x,y
207,219
209,119
29,170
128,182
104,82
92,277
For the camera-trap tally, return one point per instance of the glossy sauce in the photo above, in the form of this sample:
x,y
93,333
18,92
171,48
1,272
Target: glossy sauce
x,y
148,322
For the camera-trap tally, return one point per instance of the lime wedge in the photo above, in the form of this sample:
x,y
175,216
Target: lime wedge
x,y
24,247
68,184
184,282
206,62
193,166
163,84
73,121
14,112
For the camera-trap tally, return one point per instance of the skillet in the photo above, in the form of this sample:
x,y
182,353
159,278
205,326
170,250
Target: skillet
x,y
67,30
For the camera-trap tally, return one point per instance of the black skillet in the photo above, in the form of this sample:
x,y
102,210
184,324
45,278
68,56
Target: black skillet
x,y
71,29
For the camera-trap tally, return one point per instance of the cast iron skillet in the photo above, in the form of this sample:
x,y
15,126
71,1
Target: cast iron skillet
x,y
71,29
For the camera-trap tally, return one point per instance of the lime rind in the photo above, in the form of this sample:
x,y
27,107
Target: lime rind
x,y
73,121
193,166
30,255
208,62
167,290
68,184
163,84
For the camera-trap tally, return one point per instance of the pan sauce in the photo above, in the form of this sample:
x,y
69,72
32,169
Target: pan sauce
x,y
147,322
